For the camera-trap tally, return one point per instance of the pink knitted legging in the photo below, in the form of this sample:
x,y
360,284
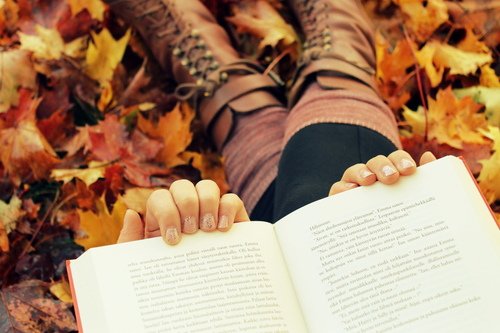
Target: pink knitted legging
x,y
252,154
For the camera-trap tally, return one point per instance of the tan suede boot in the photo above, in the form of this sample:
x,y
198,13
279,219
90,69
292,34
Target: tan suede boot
x,y
188,43
339,48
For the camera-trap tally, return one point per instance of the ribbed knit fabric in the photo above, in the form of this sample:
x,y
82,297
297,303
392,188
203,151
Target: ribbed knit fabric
x,y
253,152
360,108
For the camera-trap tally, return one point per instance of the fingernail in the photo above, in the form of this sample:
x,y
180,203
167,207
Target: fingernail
x,y
406,163
223,222
189,224
172,235
388,171
365,173
207,222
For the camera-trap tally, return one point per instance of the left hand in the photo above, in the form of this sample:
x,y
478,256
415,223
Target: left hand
x,y
386,169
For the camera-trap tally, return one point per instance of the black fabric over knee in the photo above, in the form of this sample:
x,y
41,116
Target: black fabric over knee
x,y
264,210
316,157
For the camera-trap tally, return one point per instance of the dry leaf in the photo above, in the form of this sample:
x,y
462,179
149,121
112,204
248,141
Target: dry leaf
x,y
260,19
9,214
136,198
488,77
95,7
210,166
174,130
471,43
489,97
62,291
489,178
450,120
423,20
16,71
103,227
104,54
89,175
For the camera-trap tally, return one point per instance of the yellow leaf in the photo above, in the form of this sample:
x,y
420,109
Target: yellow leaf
x,y
104,54
425,58
103,227
489,97
210,166
488,77
16,71
260,19
9,15
424,20
173,129
9,214
450,121
458,61
88,176
471,43
136,198
62,291
489,178
95,7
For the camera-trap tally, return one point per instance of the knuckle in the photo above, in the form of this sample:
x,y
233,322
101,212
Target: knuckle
x,y
180,183
156,197
206,183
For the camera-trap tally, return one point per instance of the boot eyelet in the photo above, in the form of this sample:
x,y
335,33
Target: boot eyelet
x,y
193,71
208,55
177,52
195,33
327,47
185,62
224,76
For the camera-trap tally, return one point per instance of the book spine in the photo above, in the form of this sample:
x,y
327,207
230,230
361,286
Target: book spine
x,y
73,296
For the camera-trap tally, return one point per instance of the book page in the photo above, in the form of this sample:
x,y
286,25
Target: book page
x,y
419,256
210,282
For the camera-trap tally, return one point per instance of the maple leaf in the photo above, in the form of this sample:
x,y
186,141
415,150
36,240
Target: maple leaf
x,y
46,44
174,130
489,97
104,54
9,215
95,8
25,151
260,19
471,43
488,77
29,307
103,227
450,120
89,175
16,71
489,178
422,19
62,291
210,167
9,15
136,198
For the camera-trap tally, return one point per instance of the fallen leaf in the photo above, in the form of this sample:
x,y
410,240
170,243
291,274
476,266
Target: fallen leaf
x,y
103,227
471,43
93,172
489,97
95,8
451,121
104,54
9,16
9,215
29,307
489,178
422,19
46,44
260,19
62,291
210,166
488,77
136,198
425,58
16,71
174,130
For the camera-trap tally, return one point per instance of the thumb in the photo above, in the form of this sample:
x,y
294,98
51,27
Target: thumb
x,y
133,229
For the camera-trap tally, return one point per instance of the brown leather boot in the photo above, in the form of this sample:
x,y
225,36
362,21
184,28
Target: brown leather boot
x,y
188,43
339,46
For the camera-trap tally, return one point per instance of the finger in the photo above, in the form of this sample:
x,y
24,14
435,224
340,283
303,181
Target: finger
x,y
341,186
186,199
132,229
403,162
359,174
208,197
427,157
386,172
231,209
162,217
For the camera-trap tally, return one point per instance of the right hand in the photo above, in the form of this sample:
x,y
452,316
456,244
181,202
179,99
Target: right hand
x,y
184,208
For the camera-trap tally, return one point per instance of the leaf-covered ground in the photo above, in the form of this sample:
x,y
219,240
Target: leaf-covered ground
x,y
88,127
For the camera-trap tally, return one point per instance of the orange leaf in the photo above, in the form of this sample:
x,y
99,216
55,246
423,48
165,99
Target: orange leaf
x,y
9,214
210,167
260,19
471,43
489,178
103,227
423,20
173,129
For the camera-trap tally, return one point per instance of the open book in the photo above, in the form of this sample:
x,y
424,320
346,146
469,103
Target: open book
x,y
422,255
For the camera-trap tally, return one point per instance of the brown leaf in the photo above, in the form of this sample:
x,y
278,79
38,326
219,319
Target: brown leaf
x,y
9,215
28,307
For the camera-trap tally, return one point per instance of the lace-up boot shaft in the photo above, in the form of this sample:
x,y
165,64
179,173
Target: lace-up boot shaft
x,y
338,45
194,50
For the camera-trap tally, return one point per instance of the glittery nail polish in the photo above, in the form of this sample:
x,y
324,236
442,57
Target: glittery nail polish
x,y
189,224
223,222
388,171
406,164
207,222
172,235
